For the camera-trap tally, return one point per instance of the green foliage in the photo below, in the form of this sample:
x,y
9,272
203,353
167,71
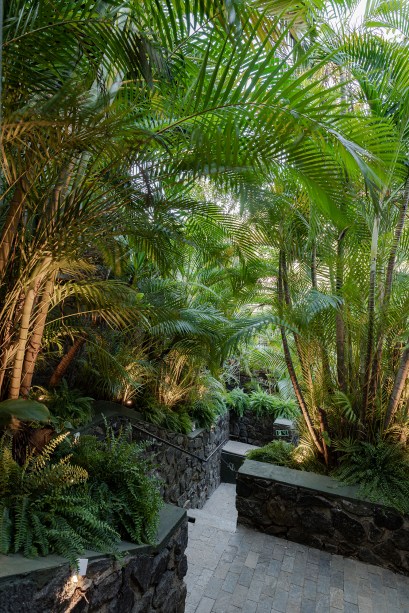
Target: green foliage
x,y
122,483
238,401
381,470
45,506
276,452
68,407
24,410
208,403
263,403
176,419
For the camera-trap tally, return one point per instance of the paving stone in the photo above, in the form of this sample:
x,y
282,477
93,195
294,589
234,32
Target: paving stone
x,y
205,605
252,559
255,589
350,608
336,596
213,587
310,589
249,572
308,606
246,576
230,582
280,600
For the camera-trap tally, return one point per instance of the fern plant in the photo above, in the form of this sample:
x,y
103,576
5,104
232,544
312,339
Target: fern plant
x,y
263,403
238,401
276,452
45,506
381,470
67,405
121,480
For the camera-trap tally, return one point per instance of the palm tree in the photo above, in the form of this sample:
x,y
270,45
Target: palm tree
x,y
108,140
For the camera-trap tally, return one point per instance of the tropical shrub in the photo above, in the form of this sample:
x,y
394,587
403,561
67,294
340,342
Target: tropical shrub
x,y
75,496
263,403
68,407
45,506
237,400
380,469
121,481
276,452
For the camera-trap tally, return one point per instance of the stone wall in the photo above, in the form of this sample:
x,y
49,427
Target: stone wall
x,y
318,511
188,478
256,430
146,580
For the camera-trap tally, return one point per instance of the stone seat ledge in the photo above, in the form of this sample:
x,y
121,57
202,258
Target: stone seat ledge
x,y
300,478
170,518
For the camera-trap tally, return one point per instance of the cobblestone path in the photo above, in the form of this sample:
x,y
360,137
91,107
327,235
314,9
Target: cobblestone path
x,y
239,570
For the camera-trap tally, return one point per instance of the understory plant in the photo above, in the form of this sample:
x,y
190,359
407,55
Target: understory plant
x,y
45,506
238,401
381,470
121,481
68,406
74,496
276,452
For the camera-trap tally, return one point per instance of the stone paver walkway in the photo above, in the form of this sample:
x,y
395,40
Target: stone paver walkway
x,y
233,571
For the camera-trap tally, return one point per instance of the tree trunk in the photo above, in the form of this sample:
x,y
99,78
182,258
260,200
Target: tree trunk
x,y
34,344
339,318
14,391
314,267
290,366
400,380
387,292
10,226
366,375
25,323
306,372
65,362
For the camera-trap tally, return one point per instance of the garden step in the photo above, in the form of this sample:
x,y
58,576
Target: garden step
x,y
233,455
238,448
214,521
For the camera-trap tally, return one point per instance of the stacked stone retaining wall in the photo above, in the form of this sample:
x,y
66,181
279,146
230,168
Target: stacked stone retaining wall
x,y
188,478
318,511
149,579
254,430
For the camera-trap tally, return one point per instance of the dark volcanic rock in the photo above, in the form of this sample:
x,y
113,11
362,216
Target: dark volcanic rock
x,y
350,528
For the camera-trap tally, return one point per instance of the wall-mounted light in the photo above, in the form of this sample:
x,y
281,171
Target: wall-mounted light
x,y
82,570
128,403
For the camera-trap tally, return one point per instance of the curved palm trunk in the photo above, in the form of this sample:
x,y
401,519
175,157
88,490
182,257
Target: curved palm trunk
x,y
339,318
10,226
400,381
371,321
14,391
25,324
34,344
65,362
290,365
388,285
306,372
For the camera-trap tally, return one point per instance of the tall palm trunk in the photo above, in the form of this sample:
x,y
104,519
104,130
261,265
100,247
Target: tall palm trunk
x,y
34,344
339,318
287,297
366,375
25,324
387,292
398,387
65,362
14,391
10,226
290,365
